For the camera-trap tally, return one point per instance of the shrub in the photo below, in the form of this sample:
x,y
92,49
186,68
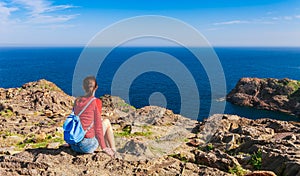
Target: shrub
x,y
256,160
237,170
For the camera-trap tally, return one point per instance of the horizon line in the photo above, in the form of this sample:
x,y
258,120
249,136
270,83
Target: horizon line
x,y
167,46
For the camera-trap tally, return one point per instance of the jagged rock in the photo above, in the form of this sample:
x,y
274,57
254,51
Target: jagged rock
x,y
270,94
276,140
35,108
216,159
41,96
158,142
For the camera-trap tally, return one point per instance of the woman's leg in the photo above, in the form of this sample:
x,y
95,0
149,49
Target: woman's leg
x,y
108,134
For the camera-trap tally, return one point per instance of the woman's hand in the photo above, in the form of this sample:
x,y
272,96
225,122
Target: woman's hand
x,y
109,151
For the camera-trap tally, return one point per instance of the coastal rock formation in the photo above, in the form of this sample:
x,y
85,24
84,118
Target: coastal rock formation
x,y
270,94
31,113
150,141
264,144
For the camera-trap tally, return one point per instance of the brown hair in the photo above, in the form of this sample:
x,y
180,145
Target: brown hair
x,y
88,88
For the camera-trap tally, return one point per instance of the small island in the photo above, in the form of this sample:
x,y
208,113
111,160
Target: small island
x,y
281,95
151,140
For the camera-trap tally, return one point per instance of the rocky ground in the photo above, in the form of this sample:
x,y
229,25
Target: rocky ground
x,y
150,140
270,94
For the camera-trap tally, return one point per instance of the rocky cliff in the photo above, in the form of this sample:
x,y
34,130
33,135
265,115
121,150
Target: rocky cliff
x,y
150,140
270,94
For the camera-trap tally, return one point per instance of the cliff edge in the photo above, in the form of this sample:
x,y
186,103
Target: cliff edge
x,y
150,141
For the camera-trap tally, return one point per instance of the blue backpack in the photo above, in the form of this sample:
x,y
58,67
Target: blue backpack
x,y
73,130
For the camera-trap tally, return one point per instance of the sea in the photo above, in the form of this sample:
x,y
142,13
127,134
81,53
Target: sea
x,y
19,65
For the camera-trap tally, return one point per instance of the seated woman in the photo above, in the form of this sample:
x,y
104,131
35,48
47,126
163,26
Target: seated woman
x,y
101,131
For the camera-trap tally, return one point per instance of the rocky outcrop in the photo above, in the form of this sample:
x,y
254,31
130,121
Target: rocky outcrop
x,y
150,141
264,144
269,94
31,113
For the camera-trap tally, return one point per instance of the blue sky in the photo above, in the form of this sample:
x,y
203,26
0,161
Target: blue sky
x,y
223,23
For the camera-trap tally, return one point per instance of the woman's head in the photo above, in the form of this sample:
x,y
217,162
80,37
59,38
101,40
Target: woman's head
x,y
90,85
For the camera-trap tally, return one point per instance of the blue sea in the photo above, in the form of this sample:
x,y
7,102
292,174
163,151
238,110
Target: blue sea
x,y
19,65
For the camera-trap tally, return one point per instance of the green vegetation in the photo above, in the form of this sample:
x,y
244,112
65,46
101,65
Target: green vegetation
x,y
49,87
126,132
40,141
51,123
179,156
125,110
125,107
36,113
295,85
123,104
7,113
208,147
237,170
186,140
256,160
145,134
8,133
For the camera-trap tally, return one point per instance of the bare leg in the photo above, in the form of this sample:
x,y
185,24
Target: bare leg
x,y
108,134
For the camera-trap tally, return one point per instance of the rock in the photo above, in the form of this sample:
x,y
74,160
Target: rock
x,y
25,111
13,139
48,113
270,94
7,150
261,173
53,145
159,142
216,159
273,142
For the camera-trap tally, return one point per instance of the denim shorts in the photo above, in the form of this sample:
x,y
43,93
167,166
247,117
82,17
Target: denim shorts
x,y
87,145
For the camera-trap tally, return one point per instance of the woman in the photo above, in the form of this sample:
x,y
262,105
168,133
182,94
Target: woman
x,y
101,131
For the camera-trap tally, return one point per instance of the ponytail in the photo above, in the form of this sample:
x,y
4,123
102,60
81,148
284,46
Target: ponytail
x,y
88,87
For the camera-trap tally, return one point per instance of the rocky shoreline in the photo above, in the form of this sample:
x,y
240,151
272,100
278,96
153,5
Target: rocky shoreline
x,y
270,94
150,141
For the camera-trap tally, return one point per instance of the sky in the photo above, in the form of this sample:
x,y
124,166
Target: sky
x,y
222,23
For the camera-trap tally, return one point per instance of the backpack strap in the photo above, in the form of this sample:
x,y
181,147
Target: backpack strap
x,y
84,110
86,106
89,127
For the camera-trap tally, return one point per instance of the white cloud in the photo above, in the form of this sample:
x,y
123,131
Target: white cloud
x,y
270,12
275,18
45,19
41,6
5,12
43,11
263,20
57,26
231,22
287,17
212,29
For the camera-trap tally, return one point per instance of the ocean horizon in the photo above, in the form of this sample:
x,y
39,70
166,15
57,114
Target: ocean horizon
x,y
19,65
